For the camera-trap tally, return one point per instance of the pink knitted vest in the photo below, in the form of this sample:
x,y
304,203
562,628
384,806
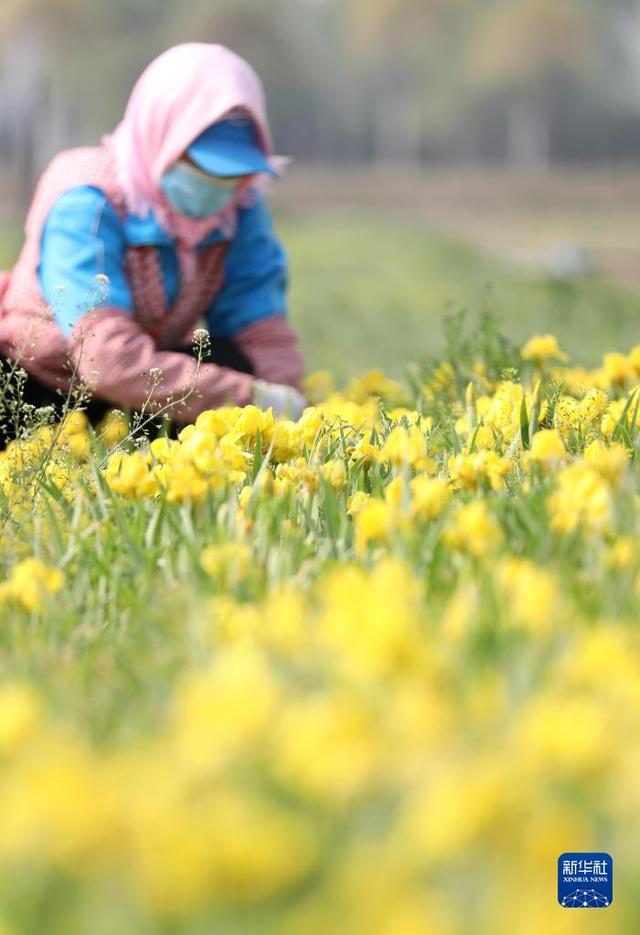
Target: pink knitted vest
x,y
28,331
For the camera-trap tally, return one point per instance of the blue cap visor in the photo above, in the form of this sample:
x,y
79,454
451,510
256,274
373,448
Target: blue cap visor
x,y
230,148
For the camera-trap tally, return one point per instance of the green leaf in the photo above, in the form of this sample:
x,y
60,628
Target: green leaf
x,y
524,424
257,455
621,431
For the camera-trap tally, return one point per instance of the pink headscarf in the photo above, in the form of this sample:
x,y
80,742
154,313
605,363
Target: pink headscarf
x,y
178,96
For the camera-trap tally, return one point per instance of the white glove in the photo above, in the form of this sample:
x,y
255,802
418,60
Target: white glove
x,y
284,400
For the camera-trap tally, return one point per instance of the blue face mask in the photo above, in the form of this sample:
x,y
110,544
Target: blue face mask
x,y
194,193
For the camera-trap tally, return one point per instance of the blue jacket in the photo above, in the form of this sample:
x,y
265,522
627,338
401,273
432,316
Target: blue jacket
x,y
84,237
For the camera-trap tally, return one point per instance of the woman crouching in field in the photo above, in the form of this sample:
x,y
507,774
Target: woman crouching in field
x,y
131,244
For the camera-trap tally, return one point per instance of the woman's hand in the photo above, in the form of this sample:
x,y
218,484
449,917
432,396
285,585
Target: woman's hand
x,y
284,400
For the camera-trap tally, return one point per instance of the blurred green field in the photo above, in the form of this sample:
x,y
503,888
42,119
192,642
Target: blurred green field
x,y
366,293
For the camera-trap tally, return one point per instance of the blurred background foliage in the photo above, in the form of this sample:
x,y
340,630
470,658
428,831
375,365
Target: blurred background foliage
x,y
525,81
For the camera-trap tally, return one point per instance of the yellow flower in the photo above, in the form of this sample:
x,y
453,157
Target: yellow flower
x,y
531,594
581,497
282,486
318,386
163,449
470,471
611,462
202,449
363,451
375,383
20,716
406,447
563,736
214,422
429,497
574,380
543,347
612,416
283,620
62,800
230,561
461,612
252,419
73,423
113,428
244,496
298,473
567,415
484,438
174,868
598,652
394,492
473,529
216,711
310,425
413,417
634,359
335,473
285,439
183,482
443,818
327,722
502,411
131,475
547,449
30,581
618,369
232,454
622,554
356,502
374,522
79,444
593,405
441,381
385,604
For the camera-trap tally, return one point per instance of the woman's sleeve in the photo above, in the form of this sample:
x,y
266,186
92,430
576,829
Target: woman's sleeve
x,y
120,363
252,305
82,253
83,242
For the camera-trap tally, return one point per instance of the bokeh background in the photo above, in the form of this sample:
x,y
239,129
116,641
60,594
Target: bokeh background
x,y
447,154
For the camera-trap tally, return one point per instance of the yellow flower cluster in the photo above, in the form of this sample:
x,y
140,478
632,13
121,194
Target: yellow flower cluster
x,y
400,655
543,347
316,710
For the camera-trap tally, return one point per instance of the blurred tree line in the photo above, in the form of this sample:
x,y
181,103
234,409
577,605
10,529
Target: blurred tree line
x,y
525,81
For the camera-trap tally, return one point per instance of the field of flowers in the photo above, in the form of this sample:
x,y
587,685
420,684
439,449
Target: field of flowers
x,y
371,672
